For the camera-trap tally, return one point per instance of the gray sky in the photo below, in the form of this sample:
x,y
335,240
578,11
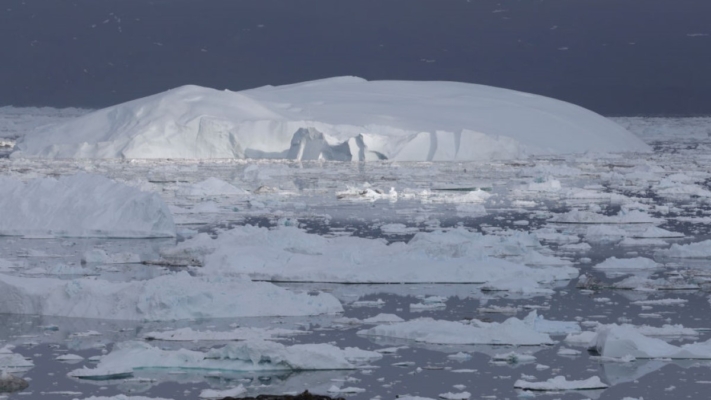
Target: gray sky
x,y
616,57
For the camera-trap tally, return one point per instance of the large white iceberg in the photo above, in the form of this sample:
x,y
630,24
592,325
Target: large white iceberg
x,y
291,254
251,355
344,118
169,297
81,205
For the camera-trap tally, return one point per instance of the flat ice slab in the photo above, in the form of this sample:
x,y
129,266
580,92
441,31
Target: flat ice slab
x,y
291,254
513,331
169,297
344,119
559,383
251,355
81,205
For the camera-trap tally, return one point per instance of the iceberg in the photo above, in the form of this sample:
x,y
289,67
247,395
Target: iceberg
x,y
343,119
169,297
81,205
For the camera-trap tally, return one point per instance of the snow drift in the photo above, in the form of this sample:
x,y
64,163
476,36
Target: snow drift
x,y
169,297
342,119
81,205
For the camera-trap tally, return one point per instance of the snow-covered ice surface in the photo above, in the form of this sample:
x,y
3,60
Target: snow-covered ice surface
x,y
514,269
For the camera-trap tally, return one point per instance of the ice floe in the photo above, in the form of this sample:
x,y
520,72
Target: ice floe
x,y
220,394
81,206
251,355
513,331
638,263
173,296
189,335
692,250
624,341
10,361
291,254
559,383
344,118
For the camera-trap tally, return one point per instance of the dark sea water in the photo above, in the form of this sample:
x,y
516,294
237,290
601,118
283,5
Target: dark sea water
x,y
616,57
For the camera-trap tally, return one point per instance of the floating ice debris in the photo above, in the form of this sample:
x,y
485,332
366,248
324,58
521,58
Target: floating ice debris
x,y
190,335
660,302
521,285
367,194
168,297
70,358
568,352
623,217
219,394
645,284
368,303
654,232
540,324
211,187
391,350
618,341
513,358
512,331
559,383
498,309
383,319
459,356
99,256
349,390
344,118
602,234
82,206
455,396
425,306
692,250
103,374
291,254
12,361
252,355
638,263
582,338
10,383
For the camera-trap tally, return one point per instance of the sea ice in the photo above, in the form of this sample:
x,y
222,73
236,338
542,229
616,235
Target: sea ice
x,y
513,331
559,383
81,206
220,394
168,297
211,187
10,361
247,333
619,341
638,263
691,250
344,119
251,355
291,254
